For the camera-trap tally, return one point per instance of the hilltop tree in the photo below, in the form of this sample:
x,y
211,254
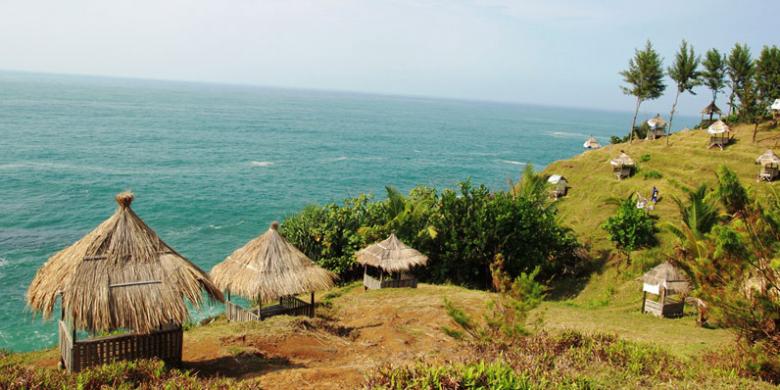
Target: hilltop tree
x,y
686,75
714,75
645,79
768,75
751,109
740,69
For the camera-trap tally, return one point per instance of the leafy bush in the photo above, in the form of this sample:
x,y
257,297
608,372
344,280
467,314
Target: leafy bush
x,y
731,192
640,132
630,228
653,174
645,157
460,230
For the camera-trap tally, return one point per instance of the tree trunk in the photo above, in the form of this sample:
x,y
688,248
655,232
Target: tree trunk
x,y
755,131
731,102
633,122
671,117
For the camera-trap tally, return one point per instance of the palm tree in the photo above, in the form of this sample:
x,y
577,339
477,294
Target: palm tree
x,y
740,69
699,214
685,73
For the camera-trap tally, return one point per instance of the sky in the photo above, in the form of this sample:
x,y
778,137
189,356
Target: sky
x,y
555,52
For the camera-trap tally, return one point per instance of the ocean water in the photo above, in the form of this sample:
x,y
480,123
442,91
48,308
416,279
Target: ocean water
x,y
213,165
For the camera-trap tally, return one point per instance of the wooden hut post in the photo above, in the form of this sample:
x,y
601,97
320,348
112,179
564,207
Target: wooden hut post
x,y
644,299
311,311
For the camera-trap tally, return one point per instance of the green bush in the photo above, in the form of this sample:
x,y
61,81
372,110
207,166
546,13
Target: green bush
x,y
630,228
653,174
461,230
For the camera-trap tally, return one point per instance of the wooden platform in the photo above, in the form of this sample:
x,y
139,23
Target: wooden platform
x,y
287,305
165,344
373,283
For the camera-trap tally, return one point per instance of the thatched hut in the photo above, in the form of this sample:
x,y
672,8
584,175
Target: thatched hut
x,y
591,143
656,127
119,277
720,134
387,264
770,166
559,185
710,110
622,166
267,269
669,284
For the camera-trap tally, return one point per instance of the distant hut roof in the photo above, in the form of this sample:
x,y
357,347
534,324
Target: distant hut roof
x,y
719,127
390,255
668,276
622,160
555,179
269,267
656,122
769,157
711,109
775,105
591,143
120,275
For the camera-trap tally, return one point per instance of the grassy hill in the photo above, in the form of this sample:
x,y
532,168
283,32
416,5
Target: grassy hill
x,y
685,162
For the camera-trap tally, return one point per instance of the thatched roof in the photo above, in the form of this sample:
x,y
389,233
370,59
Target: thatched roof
x,y
390,255
719,127
657,122
120,275
711,109
668,276
775,105
622,160
591,143
269,267
769,157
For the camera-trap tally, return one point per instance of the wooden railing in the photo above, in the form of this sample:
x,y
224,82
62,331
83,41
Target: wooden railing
x,y
237,313
294,307
165,344
667,309
373,283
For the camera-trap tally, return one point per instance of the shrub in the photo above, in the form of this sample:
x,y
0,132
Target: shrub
x,y
630,228
652,175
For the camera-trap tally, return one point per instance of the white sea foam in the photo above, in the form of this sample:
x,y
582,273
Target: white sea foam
x,y
342,158
566,134
513,162
261,163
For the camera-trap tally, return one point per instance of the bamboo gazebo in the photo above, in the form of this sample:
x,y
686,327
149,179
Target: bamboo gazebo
x,y
770,166
709,111
267,269
720,134
591,143
622,166
387,264
119,278
559,186
669,284
656,127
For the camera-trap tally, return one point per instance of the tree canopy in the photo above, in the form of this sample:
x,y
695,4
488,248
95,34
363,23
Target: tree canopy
x,y
714,74
740,69
644,78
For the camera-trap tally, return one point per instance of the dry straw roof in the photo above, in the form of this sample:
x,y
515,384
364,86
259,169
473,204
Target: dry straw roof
x,y
667,276
711,109
591,143
656,122
622,160
269,267
390,255
719,127
769,157
120,275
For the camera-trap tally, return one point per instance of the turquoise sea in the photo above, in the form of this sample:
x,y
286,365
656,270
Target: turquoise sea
x,y
212,165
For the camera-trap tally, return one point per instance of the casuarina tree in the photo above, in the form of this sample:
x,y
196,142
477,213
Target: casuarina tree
x,y
768,74
686,75
644,79
740,69
714,74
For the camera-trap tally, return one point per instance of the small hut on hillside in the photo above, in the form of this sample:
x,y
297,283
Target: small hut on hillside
x,y
770,166
591,143
387,264
622,166
669,284
268,268
559,186
656,127
710,110
720,134
119,277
